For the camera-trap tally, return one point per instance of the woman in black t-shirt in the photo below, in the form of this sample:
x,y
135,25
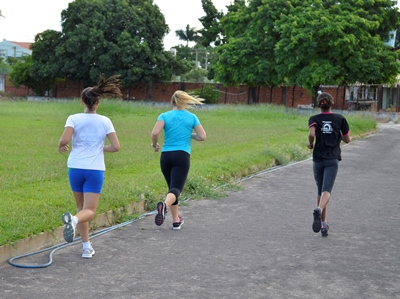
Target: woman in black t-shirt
x,y
328,130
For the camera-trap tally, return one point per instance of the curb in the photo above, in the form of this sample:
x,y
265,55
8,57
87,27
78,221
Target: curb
x,y
48,239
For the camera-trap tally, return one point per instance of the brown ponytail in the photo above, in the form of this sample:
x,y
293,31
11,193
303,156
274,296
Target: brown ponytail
x,y
109,87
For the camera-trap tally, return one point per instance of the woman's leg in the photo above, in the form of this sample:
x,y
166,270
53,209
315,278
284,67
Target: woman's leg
x,y
86,206
329,177
179,173
175,168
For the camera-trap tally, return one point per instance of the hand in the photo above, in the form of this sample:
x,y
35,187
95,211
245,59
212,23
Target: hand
x,y
63,149
155,147
310,146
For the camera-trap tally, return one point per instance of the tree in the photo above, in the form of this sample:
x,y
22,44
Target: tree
x,y
195,75
211,33
308,43
336,43
46,61
189,35
106,36
21,75
5,68
246,56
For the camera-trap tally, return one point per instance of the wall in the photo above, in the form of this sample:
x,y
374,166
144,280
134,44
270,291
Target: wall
x,y
9,89
289,96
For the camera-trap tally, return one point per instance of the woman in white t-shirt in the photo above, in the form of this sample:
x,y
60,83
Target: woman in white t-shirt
x,y
88,132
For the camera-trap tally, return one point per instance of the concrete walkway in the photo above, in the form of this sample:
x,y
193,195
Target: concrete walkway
x,y
255,243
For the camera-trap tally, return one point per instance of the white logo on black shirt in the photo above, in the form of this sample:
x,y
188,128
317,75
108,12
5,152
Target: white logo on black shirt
x,y
326,127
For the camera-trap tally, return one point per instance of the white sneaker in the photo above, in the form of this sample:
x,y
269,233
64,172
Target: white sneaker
x,y
88,253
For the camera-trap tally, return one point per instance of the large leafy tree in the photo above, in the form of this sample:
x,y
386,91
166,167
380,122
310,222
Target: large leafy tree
x,y
246,56
308,43
211,32
46,62
330,42
189,34
107,36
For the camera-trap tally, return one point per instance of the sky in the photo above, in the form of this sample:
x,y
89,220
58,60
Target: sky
x,y
23,19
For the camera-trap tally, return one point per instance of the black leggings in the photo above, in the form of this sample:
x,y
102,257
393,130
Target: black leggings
x,y
325,172
175,168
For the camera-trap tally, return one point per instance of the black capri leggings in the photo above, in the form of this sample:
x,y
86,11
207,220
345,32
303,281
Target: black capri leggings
x,y
325,172
175,168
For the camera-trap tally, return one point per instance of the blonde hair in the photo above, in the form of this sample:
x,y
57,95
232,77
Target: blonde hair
x,y
183,100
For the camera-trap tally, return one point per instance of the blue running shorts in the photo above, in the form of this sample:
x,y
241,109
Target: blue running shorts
x,y
86,180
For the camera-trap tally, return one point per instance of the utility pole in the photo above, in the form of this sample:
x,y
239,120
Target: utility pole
x,y
197,57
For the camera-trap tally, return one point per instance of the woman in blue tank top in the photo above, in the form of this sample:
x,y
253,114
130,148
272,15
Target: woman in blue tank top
x,y
180,127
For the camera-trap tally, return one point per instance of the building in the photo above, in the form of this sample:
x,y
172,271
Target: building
x,y
14,49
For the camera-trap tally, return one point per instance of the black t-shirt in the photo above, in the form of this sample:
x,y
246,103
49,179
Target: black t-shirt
x,y
329,128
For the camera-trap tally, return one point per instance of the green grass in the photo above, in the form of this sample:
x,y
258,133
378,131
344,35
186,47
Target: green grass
x,y
241,140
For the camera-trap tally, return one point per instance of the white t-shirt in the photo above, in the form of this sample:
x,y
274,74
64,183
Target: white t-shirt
x,y
90,133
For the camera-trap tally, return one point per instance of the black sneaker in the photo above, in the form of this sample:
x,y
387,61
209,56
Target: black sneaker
x,y
317,220
324,230
178,224
161,210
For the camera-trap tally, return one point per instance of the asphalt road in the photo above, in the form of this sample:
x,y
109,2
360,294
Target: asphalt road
x,y
255,243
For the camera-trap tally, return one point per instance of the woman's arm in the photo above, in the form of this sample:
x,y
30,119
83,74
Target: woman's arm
x,y
200,134
65,139
346,138
114,145
311,137
155,133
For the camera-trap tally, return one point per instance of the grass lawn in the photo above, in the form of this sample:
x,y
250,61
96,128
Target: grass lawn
x,y
241,140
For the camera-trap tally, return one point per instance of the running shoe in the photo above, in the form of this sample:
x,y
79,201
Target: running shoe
x,y
317,220
324,230
69,229
88,253
178,224
161,210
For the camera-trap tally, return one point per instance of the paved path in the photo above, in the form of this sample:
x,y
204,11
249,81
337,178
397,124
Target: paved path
x,y
255,243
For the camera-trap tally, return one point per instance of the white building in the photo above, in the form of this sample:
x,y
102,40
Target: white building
x,y
14,49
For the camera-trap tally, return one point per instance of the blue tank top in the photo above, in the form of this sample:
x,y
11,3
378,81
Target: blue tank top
x,y
178,129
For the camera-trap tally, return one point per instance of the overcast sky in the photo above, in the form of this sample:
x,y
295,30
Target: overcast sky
x,y
23,19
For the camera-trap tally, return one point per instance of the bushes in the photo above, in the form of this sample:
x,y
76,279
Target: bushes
x,y
208,93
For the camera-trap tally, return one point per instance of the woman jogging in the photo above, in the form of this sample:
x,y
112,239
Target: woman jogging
x,y
86,167
178,125
328,130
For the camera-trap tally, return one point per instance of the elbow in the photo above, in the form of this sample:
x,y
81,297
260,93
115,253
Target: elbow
x,y
154,134
202,137
114,148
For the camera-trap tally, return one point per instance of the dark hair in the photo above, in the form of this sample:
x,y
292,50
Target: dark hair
x,y
324,100
105,87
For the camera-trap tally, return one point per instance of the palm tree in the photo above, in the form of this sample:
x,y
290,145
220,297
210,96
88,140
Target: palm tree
x,y
188,35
